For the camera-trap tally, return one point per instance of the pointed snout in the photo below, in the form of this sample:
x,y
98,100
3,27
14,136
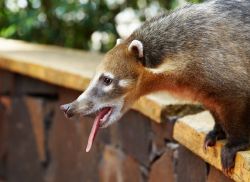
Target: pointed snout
x,y
83,105
68,109
65,107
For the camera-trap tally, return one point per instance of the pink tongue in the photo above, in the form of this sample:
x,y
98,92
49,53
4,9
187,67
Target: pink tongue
x,y
95,127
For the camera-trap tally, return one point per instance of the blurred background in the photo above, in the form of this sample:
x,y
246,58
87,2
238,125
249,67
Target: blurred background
x,y
82,24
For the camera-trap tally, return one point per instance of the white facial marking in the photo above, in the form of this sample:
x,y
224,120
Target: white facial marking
x,y
108,74
118,41
108,88
92,84
138,45
125,82
81,97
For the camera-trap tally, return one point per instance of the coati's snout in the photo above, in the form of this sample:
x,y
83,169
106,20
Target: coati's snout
x,y
67,109
76,108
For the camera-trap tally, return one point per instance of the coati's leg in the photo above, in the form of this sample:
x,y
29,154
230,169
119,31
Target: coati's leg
x,y
236,126
229,151
216,134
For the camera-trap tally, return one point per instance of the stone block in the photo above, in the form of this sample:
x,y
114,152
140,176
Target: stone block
x,y
163,169
41,111
116,166
135,135
217,176
23,162
162,133
190,167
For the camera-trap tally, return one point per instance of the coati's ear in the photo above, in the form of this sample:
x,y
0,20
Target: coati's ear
x,y
137,47
118,41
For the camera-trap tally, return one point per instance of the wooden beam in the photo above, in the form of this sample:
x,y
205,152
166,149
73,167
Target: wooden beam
x,y
191,130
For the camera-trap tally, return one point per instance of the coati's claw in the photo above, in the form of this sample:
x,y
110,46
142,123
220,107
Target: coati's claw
x,y
209,141
227,160
227,172
228,154
212,136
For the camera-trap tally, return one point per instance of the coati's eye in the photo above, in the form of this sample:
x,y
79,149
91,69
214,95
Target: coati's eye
x,y
106,80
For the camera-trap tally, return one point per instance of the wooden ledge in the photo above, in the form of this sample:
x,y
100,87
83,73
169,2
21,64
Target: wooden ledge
x,y
191,130
68,68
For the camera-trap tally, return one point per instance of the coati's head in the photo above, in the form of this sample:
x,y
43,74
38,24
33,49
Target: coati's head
x,y
119,81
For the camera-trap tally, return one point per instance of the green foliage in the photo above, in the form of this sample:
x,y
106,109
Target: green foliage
x,y
69,23
195,1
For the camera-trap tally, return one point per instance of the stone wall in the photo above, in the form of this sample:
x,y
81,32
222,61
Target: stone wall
x,y
37,143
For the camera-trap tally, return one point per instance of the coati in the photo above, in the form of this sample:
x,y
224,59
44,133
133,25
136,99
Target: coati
x,y
200,52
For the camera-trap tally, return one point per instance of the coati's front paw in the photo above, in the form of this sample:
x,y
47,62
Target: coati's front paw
x,y
210,140
228,154
227,159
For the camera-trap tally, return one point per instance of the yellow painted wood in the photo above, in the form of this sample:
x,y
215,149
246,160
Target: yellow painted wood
x,y
190,131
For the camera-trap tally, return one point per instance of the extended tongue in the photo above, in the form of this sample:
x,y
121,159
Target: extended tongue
x,y
95,127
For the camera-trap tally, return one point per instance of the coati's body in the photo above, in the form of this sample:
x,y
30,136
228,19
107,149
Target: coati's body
x,y
200,52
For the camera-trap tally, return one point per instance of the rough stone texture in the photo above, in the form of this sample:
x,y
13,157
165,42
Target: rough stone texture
x,y
217,176
22,161
136,136
163,169
190,167
116,166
